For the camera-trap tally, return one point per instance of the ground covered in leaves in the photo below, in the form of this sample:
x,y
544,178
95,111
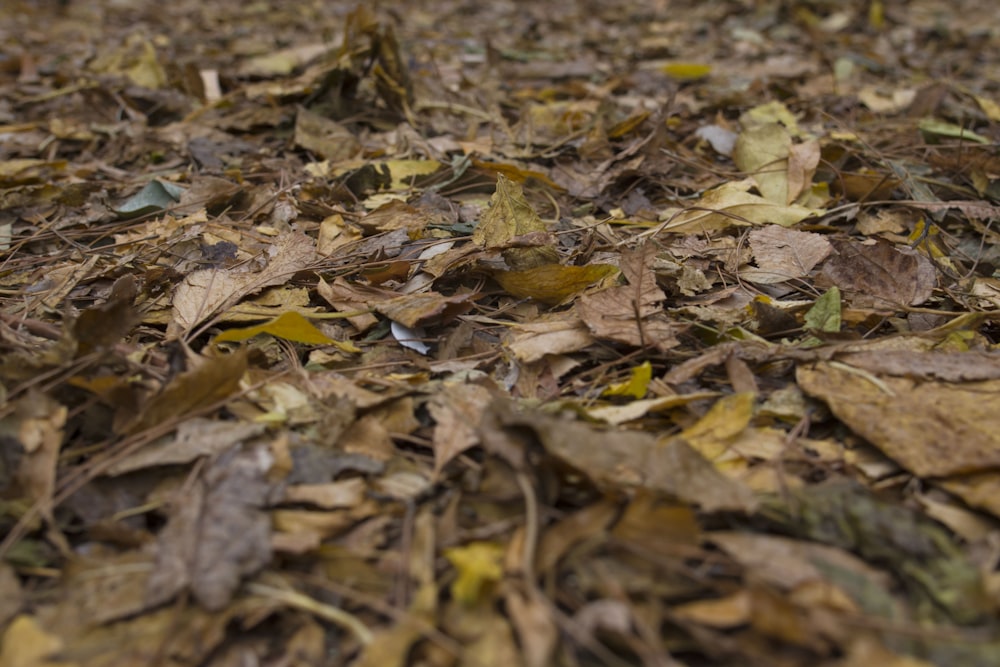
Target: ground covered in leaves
x,y
456,333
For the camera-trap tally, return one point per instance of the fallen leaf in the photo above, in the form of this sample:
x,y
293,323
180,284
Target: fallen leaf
x,y
291,326
636,386
324,136
552,333
414,310
194,438
730,205
509,216
631,314
762,151
825,314
217,532
626,459
204,294
212,379
27,644
479,568
891,276
457,409
933,429
552,283
784,254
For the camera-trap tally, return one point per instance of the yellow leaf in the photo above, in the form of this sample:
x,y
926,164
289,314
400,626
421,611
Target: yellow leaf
x,y
553,283
686,71
771,112
404,171
731,205
479,566
729,417
637,384
511,215
26,644
762,151
989,107
289,326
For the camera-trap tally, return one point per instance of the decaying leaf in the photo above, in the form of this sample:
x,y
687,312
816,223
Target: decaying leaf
x,y
553,283
414,310
555,333
510,216
457,410
100,327
888,275
324,136
784,254
217,532
934,429
204,294
631,314
625,460
212,379
32,436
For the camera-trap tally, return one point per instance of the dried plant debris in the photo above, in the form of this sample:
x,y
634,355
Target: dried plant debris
x,y
452,333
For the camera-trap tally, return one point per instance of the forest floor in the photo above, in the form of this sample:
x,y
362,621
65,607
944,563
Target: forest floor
x,y
454,333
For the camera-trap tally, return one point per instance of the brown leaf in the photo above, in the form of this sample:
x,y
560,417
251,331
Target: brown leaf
x,y
457,409
100,327
933,429
552,333
345,296
205,293
890,275
784,254
194,438
630,314
217,532
927,364
211,380
414,310
324,136
36,426
628,459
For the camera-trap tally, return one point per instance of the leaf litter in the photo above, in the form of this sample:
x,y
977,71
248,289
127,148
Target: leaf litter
x,y
464,333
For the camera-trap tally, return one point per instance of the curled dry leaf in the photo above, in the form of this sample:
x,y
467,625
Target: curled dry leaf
x,y
553,283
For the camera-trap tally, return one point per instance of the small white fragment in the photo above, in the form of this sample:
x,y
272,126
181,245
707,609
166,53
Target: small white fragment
x,y
721,139
410,338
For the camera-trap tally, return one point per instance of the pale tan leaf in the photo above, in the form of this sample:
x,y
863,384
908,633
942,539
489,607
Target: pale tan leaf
x,y
206,293
557,333
457,409
784,254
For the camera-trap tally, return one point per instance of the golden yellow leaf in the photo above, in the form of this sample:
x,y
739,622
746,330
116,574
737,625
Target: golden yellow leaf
x,y
686,71
553,283
289,325
479,566
712,434
636,385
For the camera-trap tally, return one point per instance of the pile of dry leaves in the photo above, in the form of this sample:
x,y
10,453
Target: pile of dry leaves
x,y
455,333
